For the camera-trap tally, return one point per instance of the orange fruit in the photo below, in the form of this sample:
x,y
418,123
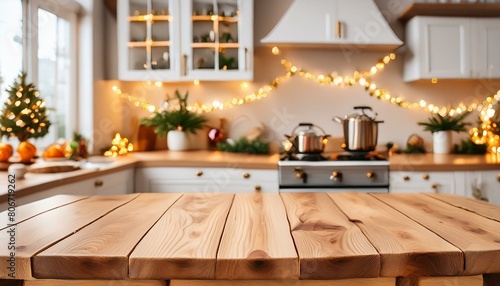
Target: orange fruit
x,y
54,151
6,152
26,151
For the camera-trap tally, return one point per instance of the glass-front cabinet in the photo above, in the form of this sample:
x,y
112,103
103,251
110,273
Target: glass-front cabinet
x,y
181,40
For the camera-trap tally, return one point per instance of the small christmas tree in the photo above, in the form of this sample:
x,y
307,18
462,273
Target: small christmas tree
x,y
23,114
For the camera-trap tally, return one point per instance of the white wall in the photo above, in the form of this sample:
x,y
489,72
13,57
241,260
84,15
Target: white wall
x,y
298,100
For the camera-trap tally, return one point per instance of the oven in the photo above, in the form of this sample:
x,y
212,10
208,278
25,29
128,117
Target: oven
x,y
335,173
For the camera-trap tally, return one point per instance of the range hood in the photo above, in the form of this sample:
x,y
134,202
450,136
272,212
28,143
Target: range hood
x,y
356,24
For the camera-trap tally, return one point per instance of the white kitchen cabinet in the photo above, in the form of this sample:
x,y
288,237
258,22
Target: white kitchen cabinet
x,y
416,182
483,185
174,40
187,179
344,23
120,182
452,48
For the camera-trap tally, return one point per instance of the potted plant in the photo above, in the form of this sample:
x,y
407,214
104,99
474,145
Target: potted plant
x,y
442,128
174,121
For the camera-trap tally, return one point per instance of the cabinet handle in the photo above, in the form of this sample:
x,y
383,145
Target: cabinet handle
x,y
98,183
245,66
498,177
406,178
338,28
184,64
435,187
199,173
425,177
258,188
370,175
246,175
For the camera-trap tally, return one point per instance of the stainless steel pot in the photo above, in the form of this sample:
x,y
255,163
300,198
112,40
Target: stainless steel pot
x,y
360,130
306,140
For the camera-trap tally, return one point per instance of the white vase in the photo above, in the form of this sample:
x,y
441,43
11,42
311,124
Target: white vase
x,y
442,142
177,140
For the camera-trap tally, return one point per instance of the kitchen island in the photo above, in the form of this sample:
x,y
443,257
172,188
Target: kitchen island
x,y
376,239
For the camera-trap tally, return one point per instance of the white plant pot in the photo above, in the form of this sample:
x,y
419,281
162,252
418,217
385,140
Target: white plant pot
x,y
442,142
177,140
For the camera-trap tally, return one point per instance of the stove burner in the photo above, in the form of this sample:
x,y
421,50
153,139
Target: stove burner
x,y
358,156
304,157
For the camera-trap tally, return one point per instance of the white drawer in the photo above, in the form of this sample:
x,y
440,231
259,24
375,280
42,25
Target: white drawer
x,y
409,182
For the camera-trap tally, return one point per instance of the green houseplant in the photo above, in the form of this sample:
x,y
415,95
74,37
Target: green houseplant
x,y
175,121
442,127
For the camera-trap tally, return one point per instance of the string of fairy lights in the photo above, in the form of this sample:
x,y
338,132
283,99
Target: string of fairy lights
x,y
481,135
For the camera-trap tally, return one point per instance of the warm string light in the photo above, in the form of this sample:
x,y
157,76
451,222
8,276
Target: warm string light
x,y
487,132
120,146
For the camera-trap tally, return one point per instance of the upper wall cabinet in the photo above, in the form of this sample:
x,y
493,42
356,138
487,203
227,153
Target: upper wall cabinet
x,y
183,40
452,48
333,23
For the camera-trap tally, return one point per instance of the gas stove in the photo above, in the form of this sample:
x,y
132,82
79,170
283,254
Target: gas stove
x,y
364,172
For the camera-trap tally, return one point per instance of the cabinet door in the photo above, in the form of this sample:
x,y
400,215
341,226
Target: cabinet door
x,y
417,182
148,40
446,47
487,47
439,47
217,40
483,185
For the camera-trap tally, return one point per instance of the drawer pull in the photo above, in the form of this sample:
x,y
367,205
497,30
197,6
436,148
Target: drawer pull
x,y
498,177
246,175
199,173
370,175
98,183
425,177
435,186
406,178
258,188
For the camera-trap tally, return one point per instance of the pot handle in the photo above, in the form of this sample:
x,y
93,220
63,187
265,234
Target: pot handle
x,y
306,124
363,107
338,120
379,121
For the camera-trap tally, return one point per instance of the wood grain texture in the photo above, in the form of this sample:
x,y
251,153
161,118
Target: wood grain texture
x,y
257,243
328,244
476,206
184,242
44,230
406,248
451,281
342,282
478,237
100,250
27,211
52,282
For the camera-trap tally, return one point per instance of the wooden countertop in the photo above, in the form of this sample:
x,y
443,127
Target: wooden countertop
x,y
308,236
401,162
205,158
448,162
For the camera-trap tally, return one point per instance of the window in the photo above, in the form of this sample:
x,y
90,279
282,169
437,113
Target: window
x,y
47,54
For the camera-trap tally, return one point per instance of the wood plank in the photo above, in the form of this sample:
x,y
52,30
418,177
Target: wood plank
x,y
342,282
476,236
405,247
190,251
42,231
53,282
476,206
451,281
27,211
256,243
450,10
100,250
328,244
440,281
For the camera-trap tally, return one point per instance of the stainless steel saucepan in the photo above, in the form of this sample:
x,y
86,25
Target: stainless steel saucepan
x,y
306,140
360,130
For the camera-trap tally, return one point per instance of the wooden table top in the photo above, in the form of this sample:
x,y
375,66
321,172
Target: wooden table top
x,y
155,236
